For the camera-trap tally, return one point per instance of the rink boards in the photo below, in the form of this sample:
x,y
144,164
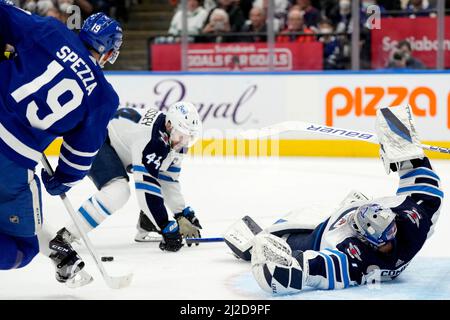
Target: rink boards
x,y
229,103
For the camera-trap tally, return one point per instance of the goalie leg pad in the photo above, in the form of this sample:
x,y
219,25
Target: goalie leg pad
x,y
397,136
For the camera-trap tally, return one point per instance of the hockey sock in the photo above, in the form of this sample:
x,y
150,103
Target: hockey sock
x,y
17,252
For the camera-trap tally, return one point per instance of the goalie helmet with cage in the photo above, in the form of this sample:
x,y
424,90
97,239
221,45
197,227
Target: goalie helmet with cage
x,y
104,35
185,124
374,224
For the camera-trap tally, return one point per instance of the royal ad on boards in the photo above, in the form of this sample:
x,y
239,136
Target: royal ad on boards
x,y
238,102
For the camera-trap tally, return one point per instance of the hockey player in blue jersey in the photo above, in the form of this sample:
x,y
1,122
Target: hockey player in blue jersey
x,y
363,241
53,87
151,144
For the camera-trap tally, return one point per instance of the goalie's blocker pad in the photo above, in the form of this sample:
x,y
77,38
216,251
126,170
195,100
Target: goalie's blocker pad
x,y
240,237
397,136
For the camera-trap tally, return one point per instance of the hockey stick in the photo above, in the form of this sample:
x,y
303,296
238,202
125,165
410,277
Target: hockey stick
x,y
281,127
197,240
112,282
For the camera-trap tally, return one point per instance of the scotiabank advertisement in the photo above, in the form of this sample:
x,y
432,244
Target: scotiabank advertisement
x,y
419,32
230,102
237,57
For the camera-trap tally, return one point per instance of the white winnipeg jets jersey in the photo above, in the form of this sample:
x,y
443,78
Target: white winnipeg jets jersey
x,y
141,141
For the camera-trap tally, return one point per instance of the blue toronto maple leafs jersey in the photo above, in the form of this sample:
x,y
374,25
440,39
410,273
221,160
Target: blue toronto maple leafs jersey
x,y
54,87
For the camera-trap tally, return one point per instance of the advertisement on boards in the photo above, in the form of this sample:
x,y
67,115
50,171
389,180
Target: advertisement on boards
x,y
236,102
420,32
237,57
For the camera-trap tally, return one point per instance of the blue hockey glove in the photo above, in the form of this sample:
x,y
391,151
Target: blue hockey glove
x,y
52,184
189,224
172,240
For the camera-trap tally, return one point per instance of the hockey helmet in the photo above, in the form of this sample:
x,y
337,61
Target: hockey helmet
x,y
104,35
185,123
375,224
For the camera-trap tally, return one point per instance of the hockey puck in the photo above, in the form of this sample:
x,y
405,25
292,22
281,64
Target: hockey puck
x,y
107,259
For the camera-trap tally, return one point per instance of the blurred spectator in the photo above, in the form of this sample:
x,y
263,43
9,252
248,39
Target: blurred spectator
x,y
334,55
43,6
401,57
390,4
234,12
257,23
295,23
196,17
30,5
55,13
311,14
279,18
419,8
341,16
207,4
246,6
218,24
280,7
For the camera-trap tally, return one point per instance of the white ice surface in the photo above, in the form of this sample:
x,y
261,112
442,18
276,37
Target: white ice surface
x,y
222,191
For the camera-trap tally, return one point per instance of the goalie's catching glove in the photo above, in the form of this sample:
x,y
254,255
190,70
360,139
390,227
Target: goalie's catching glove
x,y
189,224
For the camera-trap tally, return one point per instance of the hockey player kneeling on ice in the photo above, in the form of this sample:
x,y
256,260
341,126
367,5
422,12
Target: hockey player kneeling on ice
x,y
151,145
363,241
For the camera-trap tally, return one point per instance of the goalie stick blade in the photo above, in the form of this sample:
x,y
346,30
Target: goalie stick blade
x,y
119,282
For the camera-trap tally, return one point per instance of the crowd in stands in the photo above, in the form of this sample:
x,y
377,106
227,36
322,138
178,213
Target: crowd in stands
x,y
327,21
64,9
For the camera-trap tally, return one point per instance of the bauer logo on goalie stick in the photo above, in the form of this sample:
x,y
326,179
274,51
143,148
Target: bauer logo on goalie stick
x,y
341,132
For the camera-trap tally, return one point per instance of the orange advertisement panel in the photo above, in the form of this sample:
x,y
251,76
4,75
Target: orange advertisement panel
x,y
237,57
419,32
354,103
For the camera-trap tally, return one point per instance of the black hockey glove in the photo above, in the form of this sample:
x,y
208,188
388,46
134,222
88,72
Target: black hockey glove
x,y
189,224
172,240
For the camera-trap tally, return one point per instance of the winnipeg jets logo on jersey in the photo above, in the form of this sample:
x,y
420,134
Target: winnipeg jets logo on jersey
x,y
342,219
414,216
354,252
